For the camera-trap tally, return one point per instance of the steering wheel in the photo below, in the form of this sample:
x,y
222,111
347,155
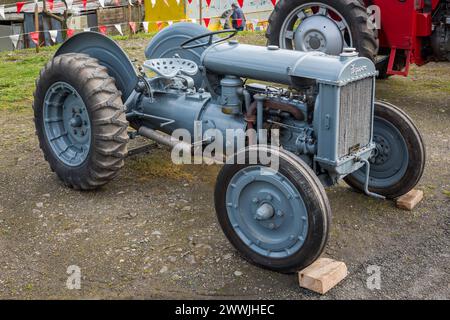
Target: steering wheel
x,y
210,41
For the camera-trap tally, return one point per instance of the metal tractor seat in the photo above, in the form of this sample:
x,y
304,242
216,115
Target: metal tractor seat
x,y
171,67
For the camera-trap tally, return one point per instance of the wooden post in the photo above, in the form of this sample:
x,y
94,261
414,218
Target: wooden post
x,y
36,24
129,19
200,11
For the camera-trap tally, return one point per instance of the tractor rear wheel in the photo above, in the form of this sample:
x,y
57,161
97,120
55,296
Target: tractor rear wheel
x,y
80,121
276,218
399,158
322,25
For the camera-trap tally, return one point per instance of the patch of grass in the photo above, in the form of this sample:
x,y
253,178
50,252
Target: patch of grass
x,y
18,71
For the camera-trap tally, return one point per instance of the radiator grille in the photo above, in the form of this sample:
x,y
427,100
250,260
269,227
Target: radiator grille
x,y
355,116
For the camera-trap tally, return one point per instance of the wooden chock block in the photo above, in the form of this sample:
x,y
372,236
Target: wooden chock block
x,y
322,275
410,200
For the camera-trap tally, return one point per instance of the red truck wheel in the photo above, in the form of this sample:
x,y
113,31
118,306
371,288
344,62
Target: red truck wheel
x,y
322,25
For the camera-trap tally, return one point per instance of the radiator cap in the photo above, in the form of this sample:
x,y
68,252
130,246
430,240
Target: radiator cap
x,y
348,53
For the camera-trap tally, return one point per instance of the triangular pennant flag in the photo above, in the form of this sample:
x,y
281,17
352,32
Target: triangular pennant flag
x,y
207,21
145,25
159,25
14,39
274,2
153,3
102,3
178,2
194,20
86,29
2,11
19,6
222,22
190,1
53,35
70,32
119,28
239,22
167,4
170,22
50,4
132,26
35,37
241,3
84,4
102,29
208,3
69,4
130,2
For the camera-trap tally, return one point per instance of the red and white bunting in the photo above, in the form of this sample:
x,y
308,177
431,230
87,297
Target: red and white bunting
x,y
102,3
130,2
70,32
153,3
207,21
19,6
239,22
166,3
190,1
208,3
87,29
145,25
50,4
102,29
274,2
69,4
194,20
14,39
35,37
84,3
53,35
132,26
241,3
119,28
2,11
222,22
159,25
170,22
178,2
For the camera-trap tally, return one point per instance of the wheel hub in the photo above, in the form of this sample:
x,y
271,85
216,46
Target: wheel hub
x,y
267,212
319,33
67,125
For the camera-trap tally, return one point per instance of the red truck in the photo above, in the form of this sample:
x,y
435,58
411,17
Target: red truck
x,y
393,33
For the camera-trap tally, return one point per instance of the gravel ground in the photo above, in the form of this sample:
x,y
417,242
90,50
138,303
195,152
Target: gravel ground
x,y
152,232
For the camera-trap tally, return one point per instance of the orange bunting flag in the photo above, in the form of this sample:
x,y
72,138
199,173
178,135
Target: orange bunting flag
x,y
207,21
159,25
70,32
35,37
19,6
50,4
102,29
241,3
132,26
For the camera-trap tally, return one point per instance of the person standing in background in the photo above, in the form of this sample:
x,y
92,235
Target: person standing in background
x,y
238,18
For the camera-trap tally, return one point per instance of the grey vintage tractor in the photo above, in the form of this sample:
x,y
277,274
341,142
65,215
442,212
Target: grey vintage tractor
x,y
90,100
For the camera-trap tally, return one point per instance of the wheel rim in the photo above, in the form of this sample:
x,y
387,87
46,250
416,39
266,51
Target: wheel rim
x,y
316,27
389,161
267,212
67,124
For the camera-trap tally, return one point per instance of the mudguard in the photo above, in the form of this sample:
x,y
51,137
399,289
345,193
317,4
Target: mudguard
x,y
109,55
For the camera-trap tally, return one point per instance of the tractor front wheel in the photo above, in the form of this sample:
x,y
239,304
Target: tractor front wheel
x,y
276,216
398,161
80,121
